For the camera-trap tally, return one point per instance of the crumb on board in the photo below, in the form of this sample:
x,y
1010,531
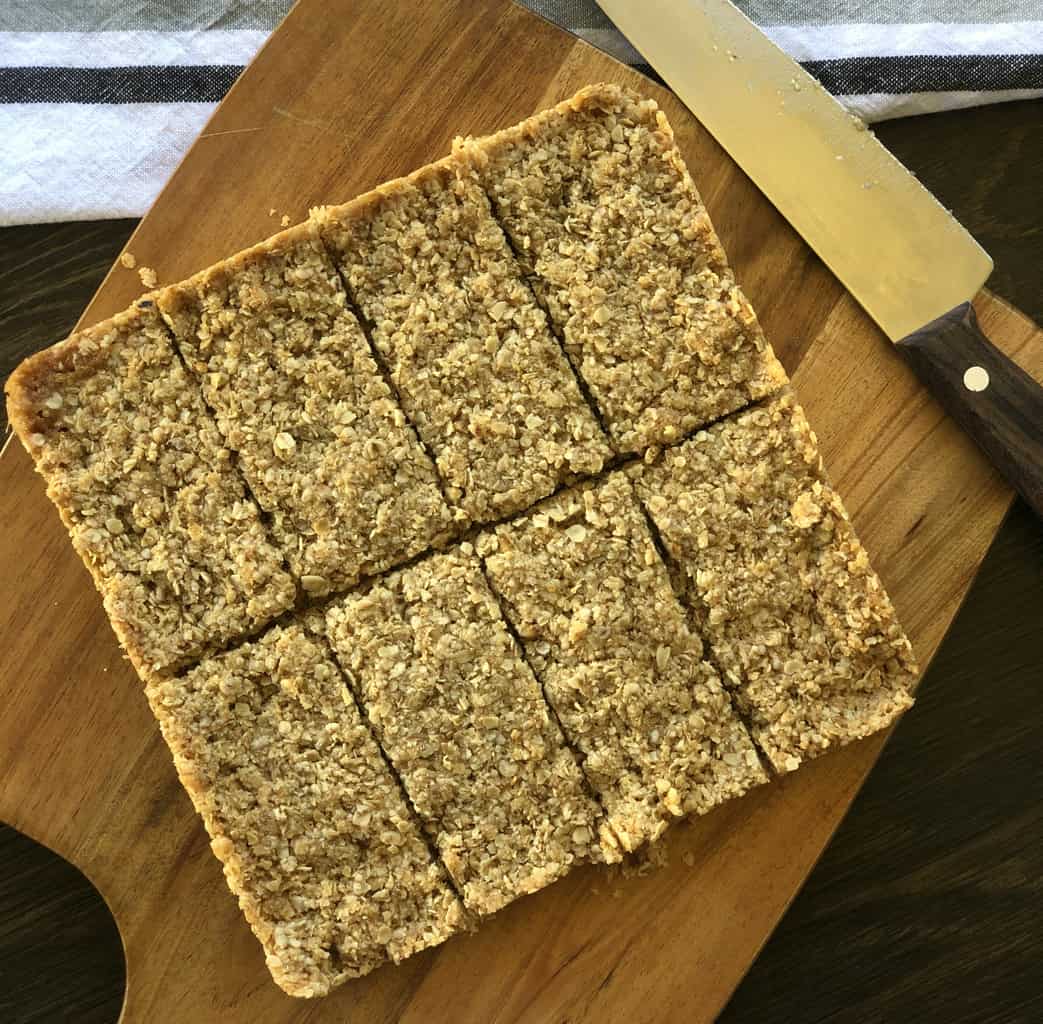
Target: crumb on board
x,y
285,220
129,260
644,861
148,277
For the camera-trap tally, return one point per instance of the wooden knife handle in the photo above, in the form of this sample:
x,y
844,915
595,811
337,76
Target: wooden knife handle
x,y
995,401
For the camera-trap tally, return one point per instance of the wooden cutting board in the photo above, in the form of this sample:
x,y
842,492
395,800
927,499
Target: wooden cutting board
x,y
347,94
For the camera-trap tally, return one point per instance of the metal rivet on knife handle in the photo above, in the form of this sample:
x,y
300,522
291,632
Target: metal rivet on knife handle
x,y
976,378
995,401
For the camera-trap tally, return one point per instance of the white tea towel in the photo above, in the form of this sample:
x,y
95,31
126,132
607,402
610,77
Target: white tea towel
x,y
99,99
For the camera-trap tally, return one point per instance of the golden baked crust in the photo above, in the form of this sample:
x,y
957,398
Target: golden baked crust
x,y
589,596
315,836
464,722
602,211
296,393
147,491
545,306
467,347
779,585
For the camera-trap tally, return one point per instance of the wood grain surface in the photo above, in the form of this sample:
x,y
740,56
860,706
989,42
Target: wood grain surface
x,y
84,768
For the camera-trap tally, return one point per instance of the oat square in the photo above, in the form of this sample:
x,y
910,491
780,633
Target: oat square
x,y
468,348
148,491
464,722
296,392
781,587
599,205
315,836
586,590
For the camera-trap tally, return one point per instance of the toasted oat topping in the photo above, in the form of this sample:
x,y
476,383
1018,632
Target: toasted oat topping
x,y
588,594
599,205
464,722
349,802
468,348
147,491
324,445
315,836
780,585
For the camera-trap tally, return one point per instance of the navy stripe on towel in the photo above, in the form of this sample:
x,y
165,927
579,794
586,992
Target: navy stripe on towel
x,y
148,84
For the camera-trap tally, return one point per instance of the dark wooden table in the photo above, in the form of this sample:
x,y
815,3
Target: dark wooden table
x,y
928,904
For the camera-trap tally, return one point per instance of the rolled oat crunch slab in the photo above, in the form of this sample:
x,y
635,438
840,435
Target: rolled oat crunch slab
x,y
147,490
468,348
780,586
297,394
599,205
314,833
464,722
588,594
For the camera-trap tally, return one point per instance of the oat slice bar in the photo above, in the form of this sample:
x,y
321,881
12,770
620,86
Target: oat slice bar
x,y
312,829
147,490
599,205
783,591
297,394
464,722
588,594
468,348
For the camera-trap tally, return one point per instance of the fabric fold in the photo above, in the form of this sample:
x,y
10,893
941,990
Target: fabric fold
x,y
99,101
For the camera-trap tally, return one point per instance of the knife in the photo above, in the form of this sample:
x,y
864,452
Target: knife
x,y
900,253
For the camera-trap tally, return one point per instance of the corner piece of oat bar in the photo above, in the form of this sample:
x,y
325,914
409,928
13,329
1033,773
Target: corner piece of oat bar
x,y
297,394
587,592
463,720
782,589
147,490
467,346
314,834
602,211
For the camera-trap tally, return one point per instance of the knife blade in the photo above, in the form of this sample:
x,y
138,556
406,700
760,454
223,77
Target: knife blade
x,y
908,262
